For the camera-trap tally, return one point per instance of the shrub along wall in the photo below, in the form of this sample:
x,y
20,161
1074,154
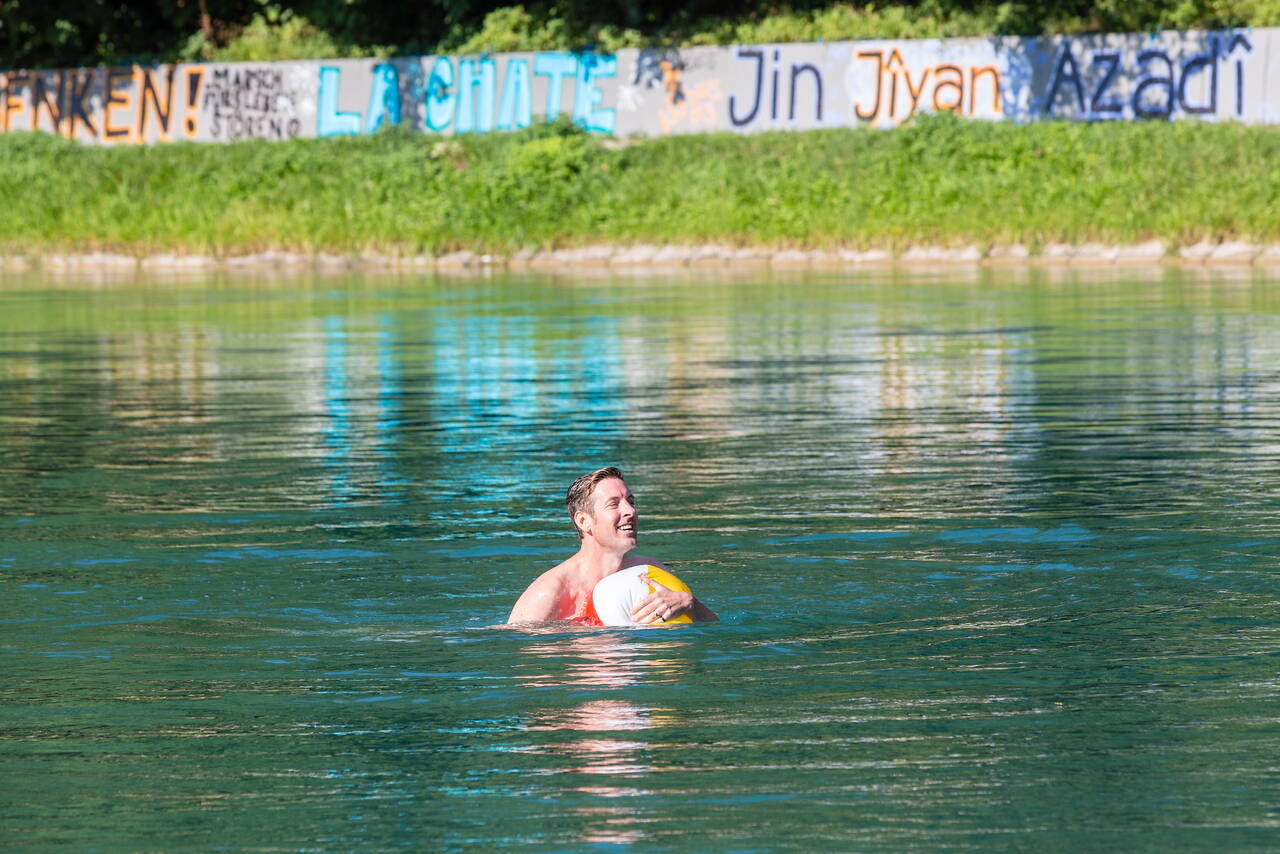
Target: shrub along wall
x,y
66,33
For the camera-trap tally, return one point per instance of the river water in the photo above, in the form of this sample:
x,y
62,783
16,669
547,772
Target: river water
x,y
995,551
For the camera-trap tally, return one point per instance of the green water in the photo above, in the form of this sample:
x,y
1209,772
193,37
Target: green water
x,y
996,555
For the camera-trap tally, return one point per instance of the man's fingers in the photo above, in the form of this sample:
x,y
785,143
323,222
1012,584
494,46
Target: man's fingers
x,y
649,610
659,606
661,610
650,579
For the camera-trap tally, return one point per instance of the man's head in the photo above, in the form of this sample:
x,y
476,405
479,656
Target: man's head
x,y
600,503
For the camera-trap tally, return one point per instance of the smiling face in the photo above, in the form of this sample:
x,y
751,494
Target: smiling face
x,y
612,521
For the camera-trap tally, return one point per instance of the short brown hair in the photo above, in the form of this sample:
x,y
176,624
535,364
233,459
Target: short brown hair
x,y
579,495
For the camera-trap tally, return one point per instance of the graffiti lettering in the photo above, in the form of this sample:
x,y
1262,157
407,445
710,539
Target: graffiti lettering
x,y
758,56
949,84
555,67
195,82
587,96
464,96
671,81
516,109
1141,106
773,100
659,67
943,84
1065,70
1110,61
329,120
10,104
797,69
975,74
384,98
83,103
163,110
1160,85
475,114
1238,40
914,91
1167,75
1192,66
77,93
697,107
116,100
40,100
667,70
440,100
244,103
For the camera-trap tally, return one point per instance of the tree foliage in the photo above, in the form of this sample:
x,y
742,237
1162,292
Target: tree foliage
x,y
65,33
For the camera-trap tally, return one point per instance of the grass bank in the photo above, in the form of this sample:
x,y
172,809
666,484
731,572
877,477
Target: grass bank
x,y
940,182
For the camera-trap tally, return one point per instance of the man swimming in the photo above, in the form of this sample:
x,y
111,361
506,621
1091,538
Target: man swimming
x,y
603,513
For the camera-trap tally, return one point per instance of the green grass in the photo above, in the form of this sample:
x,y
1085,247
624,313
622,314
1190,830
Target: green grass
x,y
943,181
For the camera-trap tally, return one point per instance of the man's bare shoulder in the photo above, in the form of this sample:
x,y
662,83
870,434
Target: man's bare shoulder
x,y
541,599
554,578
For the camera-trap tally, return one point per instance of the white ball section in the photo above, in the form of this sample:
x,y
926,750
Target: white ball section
x,y
615,595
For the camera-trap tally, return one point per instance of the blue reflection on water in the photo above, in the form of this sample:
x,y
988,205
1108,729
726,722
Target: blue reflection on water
x,y
337,435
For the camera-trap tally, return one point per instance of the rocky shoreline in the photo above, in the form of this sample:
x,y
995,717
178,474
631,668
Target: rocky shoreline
x,y
1230,253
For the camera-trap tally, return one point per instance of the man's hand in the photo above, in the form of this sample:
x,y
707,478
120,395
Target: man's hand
x,y
662,604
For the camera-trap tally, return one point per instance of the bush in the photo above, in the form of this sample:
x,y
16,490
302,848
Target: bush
x,y
287,37
61,33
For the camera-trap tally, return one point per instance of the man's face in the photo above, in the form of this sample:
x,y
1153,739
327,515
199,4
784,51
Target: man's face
x,y
613,522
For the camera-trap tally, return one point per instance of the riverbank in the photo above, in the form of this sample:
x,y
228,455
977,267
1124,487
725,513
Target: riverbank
x,y
645,258
941,190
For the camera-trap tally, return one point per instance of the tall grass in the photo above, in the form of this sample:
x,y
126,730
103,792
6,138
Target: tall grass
x,y
942,181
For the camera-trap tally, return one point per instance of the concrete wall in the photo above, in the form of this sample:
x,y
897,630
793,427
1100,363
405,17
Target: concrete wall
x,y
1215,76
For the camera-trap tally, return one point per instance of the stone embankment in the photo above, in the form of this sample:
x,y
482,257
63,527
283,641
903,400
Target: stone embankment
x,y
667,257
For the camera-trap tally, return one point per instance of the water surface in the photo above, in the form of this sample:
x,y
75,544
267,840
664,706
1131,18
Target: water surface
x,y
996,554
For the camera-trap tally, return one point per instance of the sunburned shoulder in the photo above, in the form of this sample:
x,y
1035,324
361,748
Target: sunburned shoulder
x,y
541,600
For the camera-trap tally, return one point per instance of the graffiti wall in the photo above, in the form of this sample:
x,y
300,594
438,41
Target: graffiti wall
x,y
1229,75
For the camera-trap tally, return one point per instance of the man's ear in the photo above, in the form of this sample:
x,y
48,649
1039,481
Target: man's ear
x,y
581,518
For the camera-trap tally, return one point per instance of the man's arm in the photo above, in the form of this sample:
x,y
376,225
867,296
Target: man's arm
x,y
538,603
701,613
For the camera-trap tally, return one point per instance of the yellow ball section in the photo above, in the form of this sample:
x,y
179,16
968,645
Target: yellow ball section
x,y
670,582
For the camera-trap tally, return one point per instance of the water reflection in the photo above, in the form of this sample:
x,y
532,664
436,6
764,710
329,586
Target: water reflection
x,y
613,818
598,660
609,735
437,399
338,432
